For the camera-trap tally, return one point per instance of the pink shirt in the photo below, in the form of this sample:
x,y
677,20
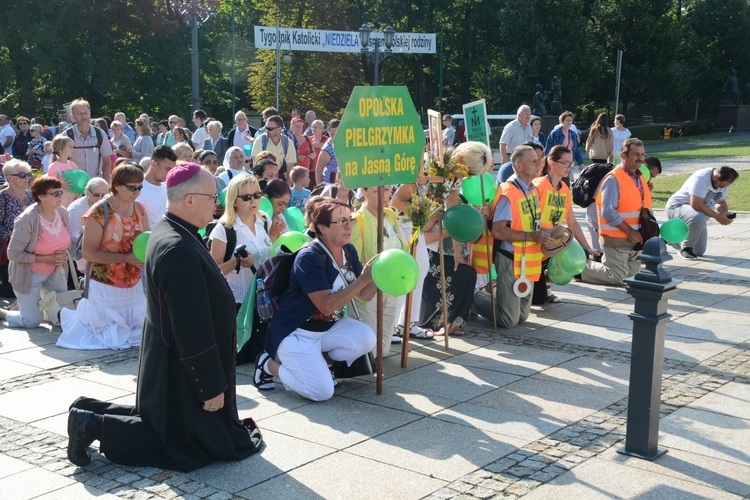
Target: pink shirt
x,y
53,238
56,170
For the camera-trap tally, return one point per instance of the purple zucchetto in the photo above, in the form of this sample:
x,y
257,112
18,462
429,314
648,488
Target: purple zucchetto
x,y
180,173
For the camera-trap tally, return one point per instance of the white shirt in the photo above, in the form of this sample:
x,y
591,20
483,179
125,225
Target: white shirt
x,y
200,135
76,210
258,245
5,132
239,138
618,137
699,184
224,176
154,198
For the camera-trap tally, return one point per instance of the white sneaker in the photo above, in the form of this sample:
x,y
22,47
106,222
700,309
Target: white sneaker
x,y
395,339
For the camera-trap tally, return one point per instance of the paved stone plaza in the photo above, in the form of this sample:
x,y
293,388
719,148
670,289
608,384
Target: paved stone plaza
x,y
536,411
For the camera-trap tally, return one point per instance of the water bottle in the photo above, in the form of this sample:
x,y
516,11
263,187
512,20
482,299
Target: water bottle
x,y
263,301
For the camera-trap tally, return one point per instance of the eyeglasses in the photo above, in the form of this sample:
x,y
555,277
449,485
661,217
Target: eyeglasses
x,y
565,163
271,129
133,188
22,175
344,222
248,197
56,194
96,195
214,196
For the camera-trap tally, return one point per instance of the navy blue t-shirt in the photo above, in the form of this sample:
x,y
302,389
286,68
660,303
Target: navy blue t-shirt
x,y
308,275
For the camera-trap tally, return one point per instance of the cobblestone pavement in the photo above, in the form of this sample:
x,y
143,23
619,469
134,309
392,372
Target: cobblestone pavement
x,y
708,356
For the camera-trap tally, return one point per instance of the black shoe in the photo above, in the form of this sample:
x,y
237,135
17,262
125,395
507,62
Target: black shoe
x,y
687,253
261,378
82,431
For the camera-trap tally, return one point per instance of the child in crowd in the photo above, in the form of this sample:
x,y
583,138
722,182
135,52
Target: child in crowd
x,y
47,156
62,150
300,178
35,152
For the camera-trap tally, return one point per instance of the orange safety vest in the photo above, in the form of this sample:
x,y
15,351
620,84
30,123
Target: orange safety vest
x,y
555,204
629,205
522,210
479,252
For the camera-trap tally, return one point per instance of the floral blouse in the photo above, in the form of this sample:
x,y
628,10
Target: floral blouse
x,y
117,238
10,208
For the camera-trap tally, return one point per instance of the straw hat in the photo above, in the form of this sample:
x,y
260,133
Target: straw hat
x,y
561,236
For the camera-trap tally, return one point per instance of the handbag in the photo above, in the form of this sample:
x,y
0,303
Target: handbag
x,y
649,227
52,302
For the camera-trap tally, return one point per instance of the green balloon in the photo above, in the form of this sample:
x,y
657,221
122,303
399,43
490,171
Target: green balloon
x,y
674,231
139,245
646,172
266,206
395,272
463,223
556,274
572,259
77,180
471,188
223,198
293,241
294,219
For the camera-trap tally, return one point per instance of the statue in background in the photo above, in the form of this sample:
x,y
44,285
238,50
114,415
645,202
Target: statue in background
x,y
732,87
539,107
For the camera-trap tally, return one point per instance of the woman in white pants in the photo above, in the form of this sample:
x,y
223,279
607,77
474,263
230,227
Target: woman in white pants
x,y
309,332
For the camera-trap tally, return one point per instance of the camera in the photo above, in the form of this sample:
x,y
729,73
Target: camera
x,y
731,216
240,251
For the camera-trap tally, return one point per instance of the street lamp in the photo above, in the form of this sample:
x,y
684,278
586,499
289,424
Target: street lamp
x,y
375,54
286,59
195,13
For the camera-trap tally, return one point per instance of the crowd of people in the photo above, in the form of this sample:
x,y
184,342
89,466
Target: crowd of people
x,y
159,176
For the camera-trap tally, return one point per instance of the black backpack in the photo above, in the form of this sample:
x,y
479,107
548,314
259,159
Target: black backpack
x,y
584,187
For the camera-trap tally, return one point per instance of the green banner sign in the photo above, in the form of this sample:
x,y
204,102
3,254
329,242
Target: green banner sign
x,y
380,140
475,116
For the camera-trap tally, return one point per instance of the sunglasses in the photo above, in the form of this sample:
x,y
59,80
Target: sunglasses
x,y
133,188
248,197
271,129
56,194
23,123
344,222
95,195
214,196
22,175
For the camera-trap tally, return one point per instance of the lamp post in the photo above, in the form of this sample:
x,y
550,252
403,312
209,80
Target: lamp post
x,y
195,13
376,55
287,59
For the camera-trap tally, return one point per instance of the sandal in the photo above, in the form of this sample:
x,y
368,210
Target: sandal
x,y
261,378
417,332
553,299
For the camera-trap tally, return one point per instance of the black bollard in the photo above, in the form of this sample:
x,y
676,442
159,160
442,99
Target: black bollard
x,y
651,288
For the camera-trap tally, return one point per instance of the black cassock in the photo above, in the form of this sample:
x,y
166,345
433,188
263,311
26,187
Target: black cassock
x,y
187,357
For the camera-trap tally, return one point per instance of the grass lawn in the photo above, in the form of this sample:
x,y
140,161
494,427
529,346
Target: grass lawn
x,y
718,151
688,138
738,197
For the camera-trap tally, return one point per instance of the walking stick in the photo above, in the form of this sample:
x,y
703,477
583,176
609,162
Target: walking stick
x,y
379,324
407,318
490,264
442,284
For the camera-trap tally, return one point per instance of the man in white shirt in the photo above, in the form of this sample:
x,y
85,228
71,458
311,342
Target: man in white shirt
x,y
199,120
516,133
449,133
242,134
154,193
703,196
274,141
6,133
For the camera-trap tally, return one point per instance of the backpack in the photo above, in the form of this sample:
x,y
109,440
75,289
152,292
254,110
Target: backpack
x,y
584,187
274,276
99,138
231,236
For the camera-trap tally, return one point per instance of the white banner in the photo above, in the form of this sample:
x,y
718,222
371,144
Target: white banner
x,y
295,39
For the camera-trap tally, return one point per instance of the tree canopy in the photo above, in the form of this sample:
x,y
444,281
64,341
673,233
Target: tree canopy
x,y
134,55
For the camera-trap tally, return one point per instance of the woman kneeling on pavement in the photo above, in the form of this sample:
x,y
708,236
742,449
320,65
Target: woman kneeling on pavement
x,y
38,253
111,315
309,332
